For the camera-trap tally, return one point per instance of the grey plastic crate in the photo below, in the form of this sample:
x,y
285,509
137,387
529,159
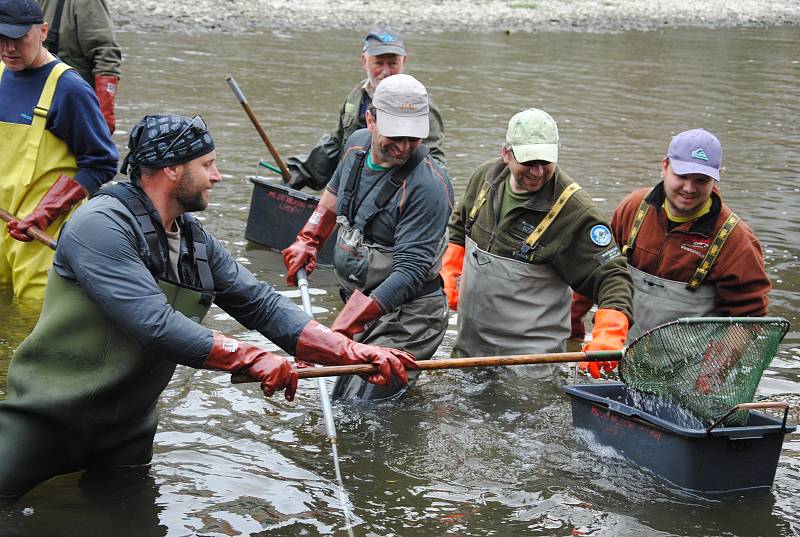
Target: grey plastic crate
x,y
722,461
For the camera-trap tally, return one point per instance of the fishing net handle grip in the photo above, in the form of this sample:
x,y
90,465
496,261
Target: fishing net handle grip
x,y
754,406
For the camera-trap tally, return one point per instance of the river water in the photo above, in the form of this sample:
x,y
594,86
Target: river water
x,y
465,453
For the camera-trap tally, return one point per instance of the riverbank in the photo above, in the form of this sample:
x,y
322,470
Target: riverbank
x,y
239,16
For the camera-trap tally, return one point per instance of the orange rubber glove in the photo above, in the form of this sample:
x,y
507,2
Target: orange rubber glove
x,y
304,250
274,372
105,87
61,197
452,266
357,314
580,305
609,334
317,343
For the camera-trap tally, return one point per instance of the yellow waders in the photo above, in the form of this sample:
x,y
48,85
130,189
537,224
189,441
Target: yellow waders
x,y
31,160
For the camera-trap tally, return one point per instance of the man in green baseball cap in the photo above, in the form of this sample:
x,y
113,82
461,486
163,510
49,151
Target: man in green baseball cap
x,y
530,235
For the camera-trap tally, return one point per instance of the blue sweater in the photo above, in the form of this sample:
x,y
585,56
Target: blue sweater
x,y
74,117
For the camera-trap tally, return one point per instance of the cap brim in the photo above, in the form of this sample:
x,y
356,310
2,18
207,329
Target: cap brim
x,y
685,168
413,126
377,50
526,153
14,31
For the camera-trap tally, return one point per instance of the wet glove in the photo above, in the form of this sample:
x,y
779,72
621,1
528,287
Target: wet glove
x,y
580,305
452,266
609,334
61,197
105,87
304,250
274,372
317,343
359,312
297,180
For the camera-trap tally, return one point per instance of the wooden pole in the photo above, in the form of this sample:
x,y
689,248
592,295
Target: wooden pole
x,y
33,231
455,363
243,101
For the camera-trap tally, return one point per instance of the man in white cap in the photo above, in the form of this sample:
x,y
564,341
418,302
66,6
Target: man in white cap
x,y
688,253
392,201
383,54
523,235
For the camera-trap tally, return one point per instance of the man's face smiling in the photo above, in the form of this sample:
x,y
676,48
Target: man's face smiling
x,y
196,181
527,176
389,152
25,52
685,194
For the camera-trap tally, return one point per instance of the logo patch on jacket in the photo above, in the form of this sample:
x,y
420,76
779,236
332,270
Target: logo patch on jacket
x,y
697,247
600,235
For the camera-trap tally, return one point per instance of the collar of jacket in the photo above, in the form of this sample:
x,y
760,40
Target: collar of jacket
x,y
704,225
542,200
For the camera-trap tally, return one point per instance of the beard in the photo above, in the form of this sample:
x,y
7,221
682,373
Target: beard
x,y
189,194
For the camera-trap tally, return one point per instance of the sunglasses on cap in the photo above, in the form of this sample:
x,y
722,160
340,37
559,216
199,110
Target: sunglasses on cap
x,y
196,124
531,163
401,139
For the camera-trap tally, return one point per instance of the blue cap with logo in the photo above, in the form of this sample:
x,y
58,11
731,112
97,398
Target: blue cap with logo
x,y
17,17
695,151
383,41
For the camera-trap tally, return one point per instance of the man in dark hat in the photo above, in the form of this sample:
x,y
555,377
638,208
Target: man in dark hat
x,y
383,54
56,147
134,274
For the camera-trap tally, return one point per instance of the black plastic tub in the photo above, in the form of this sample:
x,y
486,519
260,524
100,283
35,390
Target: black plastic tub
x,y
723,461
277,213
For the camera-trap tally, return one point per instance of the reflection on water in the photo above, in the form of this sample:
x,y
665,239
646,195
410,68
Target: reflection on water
x,y
467,453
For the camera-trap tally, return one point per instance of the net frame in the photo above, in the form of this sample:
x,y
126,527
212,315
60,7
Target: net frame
x,y
706,365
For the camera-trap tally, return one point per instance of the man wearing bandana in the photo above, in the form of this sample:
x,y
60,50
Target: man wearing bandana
x,y
133,276
383,55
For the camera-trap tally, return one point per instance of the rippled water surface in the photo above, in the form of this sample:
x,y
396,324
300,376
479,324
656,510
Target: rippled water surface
x,y
466,453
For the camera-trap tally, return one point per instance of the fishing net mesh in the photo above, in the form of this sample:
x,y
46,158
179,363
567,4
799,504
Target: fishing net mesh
x,y
707,366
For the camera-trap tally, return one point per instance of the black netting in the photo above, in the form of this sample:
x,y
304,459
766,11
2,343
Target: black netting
x,y
706,365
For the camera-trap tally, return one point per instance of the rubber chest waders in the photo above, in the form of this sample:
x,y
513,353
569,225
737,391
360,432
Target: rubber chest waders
x,y
31,160
657,300
507,306
417,326
82,393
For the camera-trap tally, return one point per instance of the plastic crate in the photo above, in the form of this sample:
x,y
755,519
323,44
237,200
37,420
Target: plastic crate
x,y
721,461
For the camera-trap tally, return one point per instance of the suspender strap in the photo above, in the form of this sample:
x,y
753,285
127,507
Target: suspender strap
x,y
473,213
713,252
199,253
537,233
352,184
51,43
637,225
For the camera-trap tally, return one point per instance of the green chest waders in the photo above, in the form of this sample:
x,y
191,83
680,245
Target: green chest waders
x,y
82,394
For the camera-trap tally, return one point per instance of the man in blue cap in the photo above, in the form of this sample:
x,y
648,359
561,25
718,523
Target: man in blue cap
x,y
689,254
383,55
56,147
133,276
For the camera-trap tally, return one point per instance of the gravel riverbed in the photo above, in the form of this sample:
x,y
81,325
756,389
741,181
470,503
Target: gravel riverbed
x,y
236,16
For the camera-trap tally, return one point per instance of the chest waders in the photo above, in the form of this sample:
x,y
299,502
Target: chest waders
x,y
82,394
658,300
507,306
31,160
418,326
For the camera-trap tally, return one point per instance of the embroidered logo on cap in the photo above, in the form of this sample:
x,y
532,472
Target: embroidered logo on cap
x,y
600,235
699,154
408,106
386,38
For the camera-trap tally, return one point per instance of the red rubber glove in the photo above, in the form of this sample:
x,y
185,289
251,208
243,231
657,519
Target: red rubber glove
x,y
580,306
357,314
317,343
105,87
304,250
452,266
609,334
274,372
61,197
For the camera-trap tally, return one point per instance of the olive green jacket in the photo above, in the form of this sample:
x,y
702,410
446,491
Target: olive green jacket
x,y
321,162
592,269
85,37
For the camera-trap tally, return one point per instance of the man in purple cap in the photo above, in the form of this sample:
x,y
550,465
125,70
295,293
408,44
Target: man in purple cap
x,y
56,146
688,253
383,55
